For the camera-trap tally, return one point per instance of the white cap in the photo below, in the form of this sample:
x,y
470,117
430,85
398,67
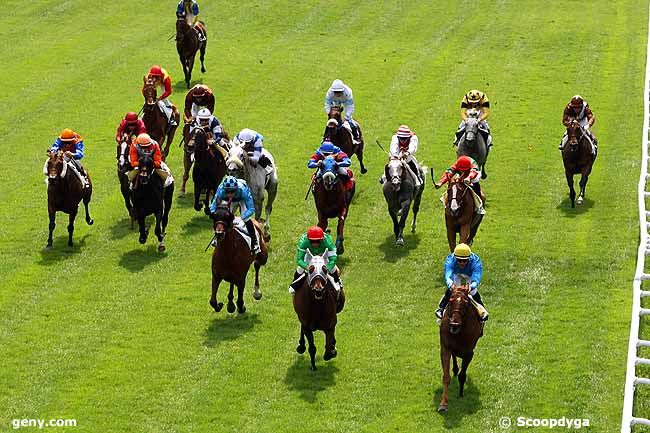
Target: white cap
x,y
337,86
204,113
246,135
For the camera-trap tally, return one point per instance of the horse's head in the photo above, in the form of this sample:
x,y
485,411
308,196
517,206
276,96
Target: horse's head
x,y
235,161
456,192
471,128
182,27
123,152
317,277
146,169
329,172
458,305
335,113
223,220
574,135
54,168
395,172
150,93
198,141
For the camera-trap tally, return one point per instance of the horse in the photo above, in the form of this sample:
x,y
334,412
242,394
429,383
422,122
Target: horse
x,y
460,330
188,158
332,199
578,158
187,44
399,192
340,136
150,196
232,259
123,167
209,167
460,213
239,165
316,305
64,194
155,120
473,144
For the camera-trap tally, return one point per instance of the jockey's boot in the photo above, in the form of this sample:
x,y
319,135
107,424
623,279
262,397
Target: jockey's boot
x,y
416,174
355,131
482,311
457,137
80,172
563,142
382,179
443,303
250,227
297,282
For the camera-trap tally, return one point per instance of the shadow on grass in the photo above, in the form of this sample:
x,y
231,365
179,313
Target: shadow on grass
x,y
61,251
137,259
180,85
309,383
393,253
226,326
122,228
459,407
569,212
200,223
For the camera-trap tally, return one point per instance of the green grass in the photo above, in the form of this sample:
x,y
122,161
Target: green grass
x,y
123,339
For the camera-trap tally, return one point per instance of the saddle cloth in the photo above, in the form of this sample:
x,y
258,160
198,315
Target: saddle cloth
x,y
240,227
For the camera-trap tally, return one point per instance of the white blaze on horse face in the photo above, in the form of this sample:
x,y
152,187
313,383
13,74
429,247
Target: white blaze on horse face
x,y
123,147
453,204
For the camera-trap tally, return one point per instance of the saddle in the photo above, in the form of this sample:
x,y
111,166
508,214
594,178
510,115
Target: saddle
x,y
240,228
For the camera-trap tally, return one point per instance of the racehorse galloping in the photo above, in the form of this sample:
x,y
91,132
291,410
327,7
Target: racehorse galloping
x,y
149,196
460,330
232,259
155,120
209,168
124,166
188,158
340,136
316,305
64,194
473,144
258,181
332,199
460,214
399,192
187,44
578,157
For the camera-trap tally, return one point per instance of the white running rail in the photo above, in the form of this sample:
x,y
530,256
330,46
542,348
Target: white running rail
x,y
633,360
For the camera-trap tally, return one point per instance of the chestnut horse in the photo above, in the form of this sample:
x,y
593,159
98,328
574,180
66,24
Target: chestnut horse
x,y
332,199
187,44
123,167
209,168
155,120
460,330
578,158
232,259
460,213
64,192
316,303
342,137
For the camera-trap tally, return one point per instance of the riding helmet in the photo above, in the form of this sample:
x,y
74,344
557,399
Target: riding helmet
x,y
230,183
462,251
156,71
131,117
464,163
315,233
474,96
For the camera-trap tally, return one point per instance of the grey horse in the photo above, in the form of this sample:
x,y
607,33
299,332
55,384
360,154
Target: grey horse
x,y
473,144
399,192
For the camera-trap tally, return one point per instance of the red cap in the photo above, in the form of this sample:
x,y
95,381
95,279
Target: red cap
x,y
131,117
156,71
464,163
315,233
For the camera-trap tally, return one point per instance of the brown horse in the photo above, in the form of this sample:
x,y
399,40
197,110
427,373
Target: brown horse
x,y
460,213
341,137
64,192
209,169
232,259
155,120
460,330
187,44
316,303
123,167
578,158
332,199
188,160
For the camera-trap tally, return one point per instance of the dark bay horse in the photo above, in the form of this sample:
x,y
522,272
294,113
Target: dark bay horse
x,y
578,158
316,305
332,199
232,259
155,120
64,192
123,167
460,330
399,192
150,197
473,144
188,160
341,137
187,44
460,213
209,168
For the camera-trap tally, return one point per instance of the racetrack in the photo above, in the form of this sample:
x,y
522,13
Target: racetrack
x,y
122,339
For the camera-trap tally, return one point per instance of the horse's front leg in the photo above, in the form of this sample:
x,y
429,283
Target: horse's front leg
x,y
187,164
406,204
393,217
202,53
271,192
159,233
464,232
52,217
572,192
216,280
73,215
462,376
330,344
241,308
322,221
312,347
451,235
301,342
340,248
445,356
231,304
144,232
257,293
583,186
197,193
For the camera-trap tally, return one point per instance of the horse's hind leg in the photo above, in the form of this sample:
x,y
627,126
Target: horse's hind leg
x,y
202,55
52,216
340,248
330,344
271,193
360,156
483,172
73,215
86,201
301,342
257,293
197,194
572,191
583,184
462,376
187,164
213,298
312,347
159,233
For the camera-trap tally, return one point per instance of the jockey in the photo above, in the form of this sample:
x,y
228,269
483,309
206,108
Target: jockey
x,y
199,96
461,265
403,145
325,150
253,143
341,95
72,146
233,191
468,171
578,109
189,9
129,126
145,144
318,243
208,122
164,82
478,102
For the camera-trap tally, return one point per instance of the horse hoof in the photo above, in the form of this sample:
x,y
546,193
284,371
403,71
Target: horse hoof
x,y
142,240
442,408
48,247
181,193
70,243
242,309
313,367
216,305
300,349
257,295
579,201
484,175
231,307
90,221
364,171
206,210
329,355
197,207
161,248
399,242
203,70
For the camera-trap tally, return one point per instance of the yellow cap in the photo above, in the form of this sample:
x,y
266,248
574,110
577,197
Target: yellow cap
x,y
462,251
